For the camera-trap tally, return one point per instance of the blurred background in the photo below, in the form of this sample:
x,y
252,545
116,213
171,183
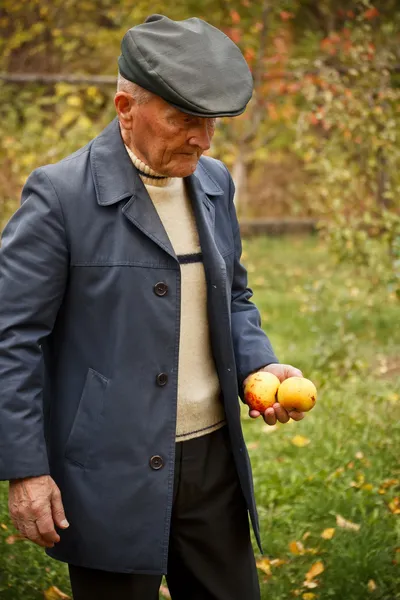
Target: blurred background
x,y
316,162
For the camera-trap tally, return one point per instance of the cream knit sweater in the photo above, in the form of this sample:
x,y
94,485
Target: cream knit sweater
x,y
200,409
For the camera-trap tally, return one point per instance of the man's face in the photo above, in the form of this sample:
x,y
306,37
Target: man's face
x,y
166,139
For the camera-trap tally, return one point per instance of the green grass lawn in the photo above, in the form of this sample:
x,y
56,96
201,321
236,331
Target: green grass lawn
x,y
343,330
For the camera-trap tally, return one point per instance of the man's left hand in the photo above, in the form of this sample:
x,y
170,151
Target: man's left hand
x,y
277,412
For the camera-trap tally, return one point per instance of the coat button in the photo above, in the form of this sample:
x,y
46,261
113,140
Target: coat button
x,y
162,379
161,288
156,462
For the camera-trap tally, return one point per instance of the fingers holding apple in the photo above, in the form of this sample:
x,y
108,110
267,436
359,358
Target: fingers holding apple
x,y
266,395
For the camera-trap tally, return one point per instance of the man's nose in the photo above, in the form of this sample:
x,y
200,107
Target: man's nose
x,y
201,137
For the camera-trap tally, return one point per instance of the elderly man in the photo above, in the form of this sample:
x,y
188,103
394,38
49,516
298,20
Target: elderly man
x,y
126,333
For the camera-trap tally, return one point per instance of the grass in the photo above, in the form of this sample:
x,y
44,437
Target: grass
x,y
342,330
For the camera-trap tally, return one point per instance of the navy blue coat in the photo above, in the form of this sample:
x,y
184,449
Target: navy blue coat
x,y
83,336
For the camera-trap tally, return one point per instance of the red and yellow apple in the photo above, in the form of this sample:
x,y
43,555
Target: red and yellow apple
x,y
260,390
297,393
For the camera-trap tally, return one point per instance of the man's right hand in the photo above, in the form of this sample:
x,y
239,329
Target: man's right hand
x,y
36,507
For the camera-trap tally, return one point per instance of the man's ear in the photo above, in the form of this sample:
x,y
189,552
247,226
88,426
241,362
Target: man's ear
x,y
125,106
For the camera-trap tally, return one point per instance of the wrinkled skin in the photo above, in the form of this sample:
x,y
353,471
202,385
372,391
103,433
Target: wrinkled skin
x,y
163,137
36,508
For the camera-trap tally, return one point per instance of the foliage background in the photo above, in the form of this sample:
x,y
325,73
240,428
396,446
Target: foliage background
x,y
320,139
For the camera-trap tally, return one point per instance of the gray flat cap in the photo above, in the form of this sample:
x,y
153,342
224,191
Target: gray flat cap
x,y
190,64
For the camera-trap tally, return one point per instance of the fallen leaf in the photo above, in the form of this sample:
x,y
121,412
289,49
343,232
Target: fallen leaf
x,y
14,538
344,524
296,592
253,445
269,428
359,455
336,473
264,565
310,584
371,585
296,547
394,506
309,596
316,569
3,526
328,534
278,562
388,483
164,591
306,535
300,441
368,487
54,593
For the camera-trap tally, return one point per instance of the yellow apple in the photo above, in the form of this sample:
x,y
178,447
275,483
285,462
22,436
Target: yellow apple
x,y
297,393
260,390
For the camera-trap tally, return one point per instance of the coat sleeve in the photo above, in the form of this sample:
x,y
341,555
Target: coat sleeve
x,y
252,348
33,274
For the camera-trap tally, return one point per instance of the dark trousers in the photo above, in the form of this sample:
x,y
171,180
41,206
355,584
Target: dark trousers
x,y
210,553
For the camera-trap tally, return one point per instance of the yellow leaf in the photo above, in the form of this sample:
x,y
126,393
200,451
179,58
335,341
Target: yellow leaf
x,y
388,483
3,526
74,101
300,441
264,565
278,562
368,487
14,538
316,569
309,596
359,455
253,445
328,534
371,585
164,591
296,547
54,593
394,506
344,524
310,584
306,535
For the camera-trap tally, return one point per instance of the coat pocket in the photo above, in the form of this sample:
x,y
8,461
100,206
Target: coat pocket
x,y
86,427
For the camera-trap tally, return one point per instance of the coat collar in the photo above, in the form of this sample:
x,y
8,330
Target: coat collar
x,y
114,176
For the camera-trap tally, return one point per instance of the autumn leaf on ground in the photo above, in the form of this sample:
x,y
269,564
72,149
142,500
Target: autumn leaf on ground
x,y
264,564
300,441
316,569
310,584
14,538
164,591
296,548
328,534
54,593
394,506
388,483
253,445
3,526
371,585
344,524
309,596
278,562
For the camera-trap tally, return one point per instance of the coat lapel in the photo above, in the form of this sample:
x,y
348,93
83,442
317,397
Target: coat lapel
x,y
116,179
141,211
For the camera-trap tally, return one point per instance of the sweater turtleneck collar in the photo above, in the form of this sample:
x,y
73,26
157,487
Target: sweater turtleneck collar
x,y
147,174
